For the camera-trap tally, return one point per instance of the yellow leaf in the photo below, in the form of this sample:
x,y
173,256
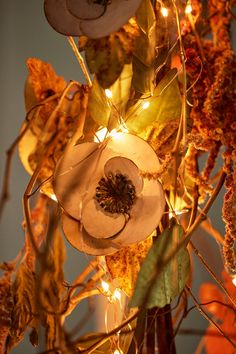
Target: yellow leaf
x,y
124,265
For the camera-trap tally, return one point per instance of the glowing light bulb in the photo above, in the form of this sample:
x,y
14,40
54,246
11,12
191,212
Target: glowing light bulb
x,y
118,351
115,134
53,197
105,286
117,295
164,11
100,135
108,93
145,105
234,281
188,9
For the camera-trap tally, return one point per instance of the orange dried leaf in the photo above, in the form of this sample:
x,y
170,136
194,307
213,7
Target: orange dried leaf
x,y
6,305
124,265
43,80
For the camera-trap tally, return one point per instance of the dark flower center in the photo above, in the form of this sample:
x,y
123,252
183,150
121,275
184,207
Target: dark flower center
x,y
115,194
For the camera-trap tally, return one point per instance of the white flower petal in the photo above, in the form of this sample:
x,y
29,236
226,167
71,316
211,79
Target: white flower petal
x,y
125,167
145,214
135,149
99,224
61,19
82,241
78,169
112,17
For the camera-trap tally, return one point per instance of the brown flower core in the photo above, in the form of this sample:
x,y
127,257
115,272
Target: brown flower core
x,y
115,194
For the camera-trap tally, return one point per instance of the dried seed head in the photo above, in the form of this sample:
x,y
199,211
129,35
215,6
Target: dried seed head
x,y
115,193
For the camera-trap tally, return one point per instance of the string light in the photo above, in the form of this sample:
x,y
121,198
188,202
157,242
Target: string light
x,y
105,286
145,105
118,351
117,295
100,135
108,93
164,11
188,8
53,197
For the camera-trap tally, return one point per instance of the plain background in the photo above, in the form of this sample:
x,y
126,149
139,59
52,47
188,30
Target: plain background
x,y
24,32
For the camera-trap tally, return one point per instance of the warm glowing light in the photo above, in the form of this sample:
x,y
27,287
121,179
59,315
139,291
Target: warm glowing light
x,y
53,197
105,286
100,135
188,9
118,351
145,105
117,295
164,11
116,135
108,93
234,281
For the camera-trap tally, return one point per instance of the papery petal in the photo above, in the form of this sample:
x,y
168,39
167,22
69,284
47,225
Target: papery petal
x,y
136,149
145,214
80,168
126,167
112,16
100,224
60,18
82,241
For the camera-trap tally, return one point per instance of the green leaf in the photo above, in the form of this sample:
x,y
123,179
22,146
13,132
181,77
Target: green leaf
x,y
107,56
99,107
145,16
143,77
164,105
153,289
145,48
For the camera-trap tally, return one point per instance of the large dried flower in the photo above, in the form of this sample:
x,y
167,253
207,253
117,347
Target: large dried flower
x,y
107,203
92,18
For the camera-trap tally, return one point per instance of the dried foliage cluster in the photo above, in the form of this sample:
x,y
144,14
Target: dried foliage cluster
x,y
164,79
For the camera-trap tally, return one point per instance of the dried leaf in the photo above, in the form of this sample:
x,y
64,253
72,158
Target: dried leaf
x,y
41,83
99,107
152,291
107,56
164,105
6,304
124,265
24,304
40,141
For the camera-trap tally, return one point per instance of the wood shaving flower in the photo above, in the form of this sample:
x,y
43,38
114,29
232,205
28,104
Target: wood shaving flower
x,y
92,18
107,203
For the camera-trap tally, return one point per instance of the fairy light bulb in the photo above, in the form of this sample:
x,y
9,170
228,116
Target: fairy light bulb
x,y
53,197
117,295
118,351
234,281
108,93
100,135
164,11
188,8
145,105
105,286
